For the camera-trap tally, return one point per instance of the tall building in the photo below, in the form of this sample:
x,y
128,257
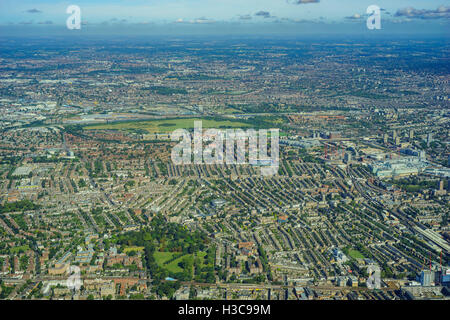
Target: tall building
x,y
394,135
426,278
429,138
411,134
441,185
386,138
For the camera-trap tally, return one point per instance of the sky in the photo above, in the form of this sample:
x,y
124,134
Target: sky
x,y
432,16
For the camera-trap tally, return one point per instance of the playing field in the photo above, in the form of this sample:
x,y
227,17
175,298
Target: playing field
x,y
355,254
167,125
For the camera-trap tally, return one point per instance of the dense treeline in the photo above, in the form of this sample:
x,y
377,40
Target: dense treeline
x,y
169,237
22,205
265,262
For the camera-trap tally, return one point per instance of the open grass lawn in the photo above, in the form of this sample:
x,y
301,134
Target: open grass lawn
x,y
174,267
201,254
355,254
163,257
128,249
166,126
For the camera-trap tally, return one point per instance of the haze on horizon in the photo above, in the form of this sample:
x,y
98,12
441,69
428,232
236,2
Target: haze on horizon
x,y
209,17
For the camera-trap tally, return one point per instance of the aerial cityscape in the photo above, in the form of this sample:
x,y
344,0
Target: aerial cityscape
x,y
355,128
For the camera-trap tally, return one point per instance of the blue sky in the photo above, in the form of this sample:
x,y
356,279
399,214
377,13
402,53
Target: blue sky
x,y
418,14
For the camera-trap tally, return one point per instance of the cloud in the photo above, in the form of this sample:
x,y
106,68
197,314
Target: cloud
x,y
115,21
302,1
440,13
356,16
34,11
289,20
264,14
201,20
245,17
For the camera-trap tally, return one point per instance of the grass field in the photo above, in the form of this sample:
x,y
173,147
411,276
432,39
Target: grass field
x,y
355,254
168,125
162,257
128,249
174,267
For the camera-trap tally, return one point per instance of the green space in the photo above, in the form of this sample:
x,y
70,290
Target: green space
x,y
133,248
414,185
22,205
167,125
162,257
19,249
174,265
171,261
355,254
